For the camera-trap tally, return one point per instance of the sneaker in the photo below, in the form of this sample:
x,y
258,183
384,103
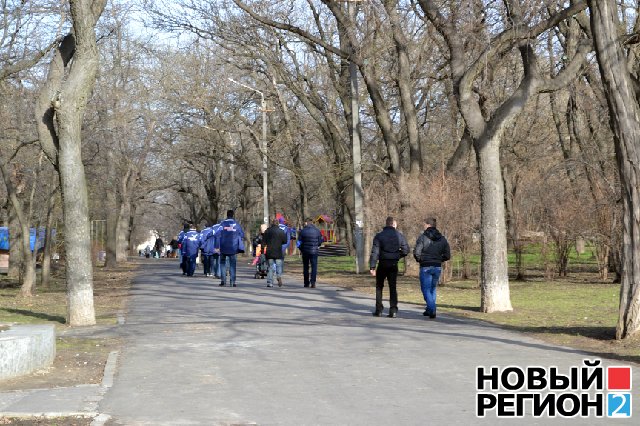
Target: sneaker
x,y
392,314
221,285
376,313
269,285
279,282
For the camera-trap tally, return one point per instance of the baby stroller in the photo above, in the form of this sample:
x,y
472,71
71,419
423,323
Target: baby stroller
x,y
262,267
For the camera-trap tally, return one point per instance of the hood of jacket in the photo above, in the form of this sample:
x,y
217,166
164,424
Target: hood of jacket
x,y
433,234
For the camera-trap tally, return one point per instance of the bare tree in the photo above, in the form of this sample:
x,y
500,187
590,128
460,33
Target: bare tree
x,y
619,73
60,110
487,132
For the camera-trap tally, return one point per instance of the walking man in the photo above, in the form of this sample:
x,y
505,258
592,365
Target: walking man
x,y
191,244
230,241
389,246
215,257
183,259
432,248
207,246
273,239
287,231
310,238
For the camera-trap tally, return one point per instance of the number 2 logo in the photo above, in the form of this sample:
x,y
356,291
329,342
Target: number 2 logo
x,y
619,405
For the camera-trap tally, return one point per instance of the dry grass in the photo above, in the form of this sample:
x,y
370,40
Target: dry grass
x,y
80,359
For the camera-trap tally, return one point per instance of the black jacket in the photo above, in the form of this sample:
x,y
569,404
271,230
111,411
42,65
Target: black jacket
x,y
432,248
274,238
390,245
310,239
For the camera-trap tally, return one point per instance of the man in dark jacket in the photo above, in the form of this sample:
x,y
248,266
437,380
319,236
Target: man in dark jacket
x,y
389,246
273,239
432,248
310,238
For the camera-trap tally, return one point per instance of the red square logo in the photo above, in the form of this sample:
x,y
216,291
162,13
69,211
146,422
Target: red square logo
x,y
619,378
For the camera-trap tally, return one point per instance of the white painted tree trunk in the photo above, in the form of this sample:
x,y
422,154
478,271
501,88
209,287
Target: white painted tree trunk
x,y
495,275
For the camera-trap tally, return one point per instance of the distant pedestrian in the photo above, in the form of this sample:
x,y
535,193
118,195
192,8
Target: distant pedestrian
x,y
159,247
191,245
174,246
389,246
272,240
215,257
183,262
207,246
309,239
230,240
282,224
432,248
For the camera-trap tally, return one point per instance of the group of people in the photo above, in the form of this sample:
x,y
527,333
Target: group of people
x,y
273,241
221,243
389,246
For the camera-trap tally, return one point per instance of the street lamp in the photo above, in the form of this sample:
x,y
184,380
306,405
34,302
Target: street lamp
x,y
358,192
263,148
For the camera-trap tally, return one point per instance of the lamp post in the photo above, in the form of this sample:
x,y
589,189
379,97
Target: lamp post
x,y
263,149
356,152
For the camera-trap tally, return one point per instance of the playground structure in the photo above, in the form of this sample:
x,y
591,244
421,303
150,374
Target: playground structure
x,y
327,228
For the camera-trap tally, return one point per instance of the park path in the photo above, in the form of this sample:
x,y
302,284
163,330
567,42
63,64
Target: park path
x,y
196,353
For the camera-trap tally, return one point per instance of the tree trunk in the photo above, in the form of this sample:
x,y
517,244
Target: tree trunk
x,y
69,104
45,274
495,275
15,248
112,227
112,213
131,225
122,229
20,226
624,112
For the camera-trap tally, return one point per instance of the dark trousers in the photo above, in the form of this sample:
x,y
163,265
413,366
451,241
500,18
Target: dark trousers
x,y
206,263
306,260
191,264
387,269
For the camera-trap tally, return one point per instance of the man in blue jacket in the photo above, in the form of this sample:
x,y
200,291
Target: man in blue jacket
x,y
230,241
183,259
207,247
215,257
287,232
310,238
191,245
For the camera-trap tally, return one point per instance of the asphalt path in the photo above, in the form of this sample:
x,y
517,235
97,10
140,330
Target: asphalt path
x,y
200,354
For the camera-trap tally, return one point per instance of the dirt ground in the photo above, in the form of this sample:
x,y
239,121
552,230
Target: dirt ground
x,y
81,357
37,421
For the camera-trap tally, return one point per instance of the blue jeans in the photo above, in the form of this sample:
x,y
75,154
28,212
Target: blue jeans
x,y
306,260
191,264
230,260
215,264
275,265
429,277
